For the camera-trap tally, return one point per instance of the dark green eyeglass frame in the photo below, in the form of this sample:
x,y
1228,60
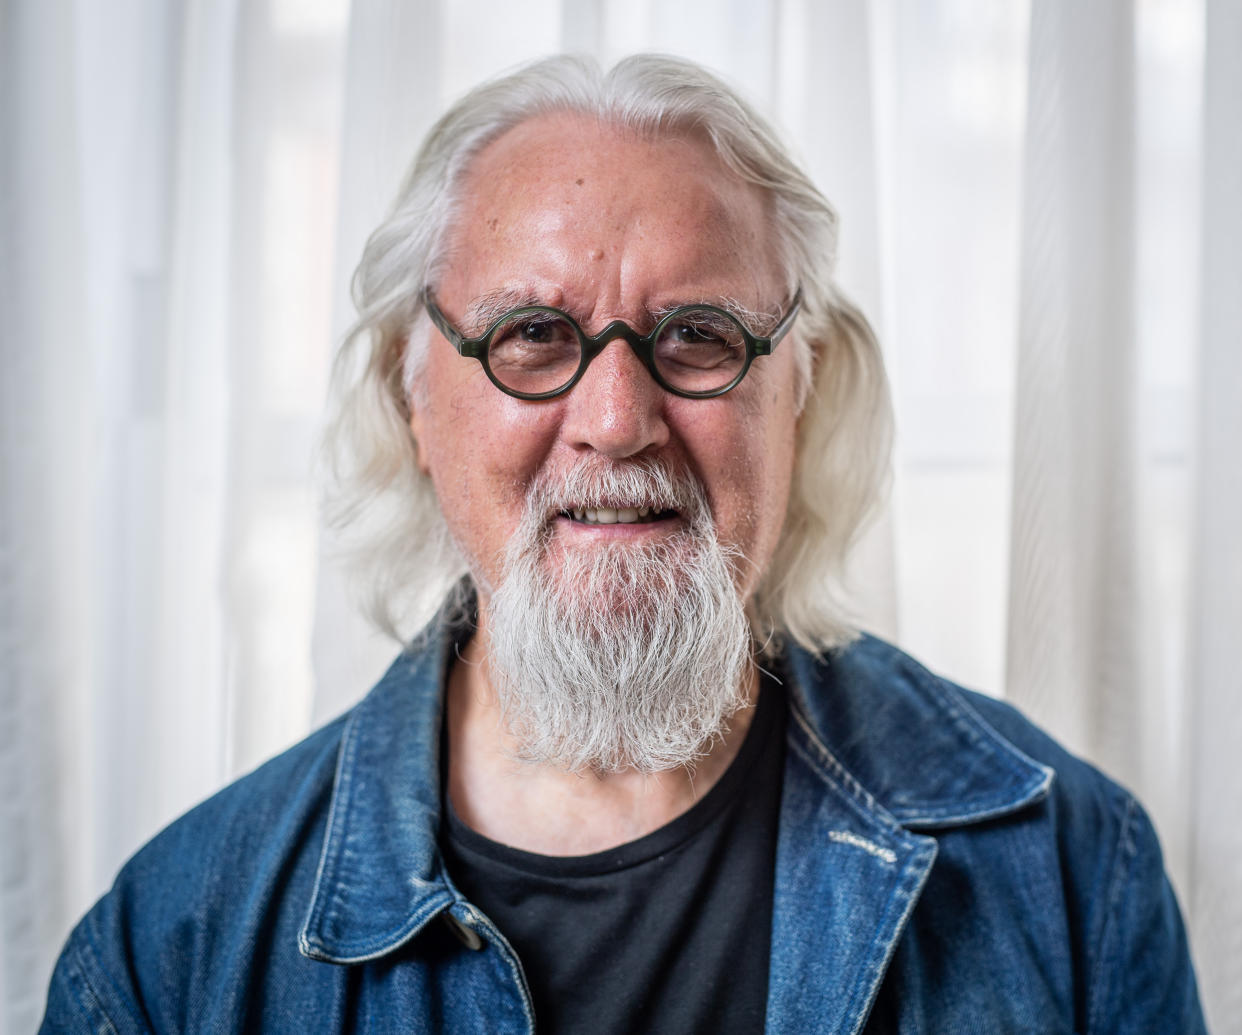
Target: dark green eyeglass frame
x,y
592,345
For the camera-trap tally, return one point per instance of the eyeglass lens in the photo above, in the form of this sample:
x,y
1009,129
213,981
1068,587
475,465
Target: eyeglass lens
x,y
696,350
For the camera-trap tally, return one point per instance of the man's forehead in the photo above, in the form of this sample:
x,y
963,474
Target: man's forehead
x,y
567,212
554,157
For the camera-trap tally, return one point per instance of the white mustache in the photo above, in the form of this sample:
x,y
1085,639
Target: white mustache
x,y
646,482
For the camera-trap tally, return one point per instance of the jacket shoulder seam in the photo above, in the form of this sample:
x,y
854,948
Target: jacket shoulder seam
x,y
1109,929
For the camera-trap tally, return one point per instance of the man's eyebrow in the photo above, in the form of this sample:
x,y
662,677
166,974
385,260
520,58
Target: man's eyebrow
x,y
485,310
759,323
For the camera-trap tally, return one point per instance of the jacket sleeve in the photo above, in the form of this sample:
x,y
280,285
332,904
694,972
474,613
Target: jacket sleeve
x,y
85,994
1143,980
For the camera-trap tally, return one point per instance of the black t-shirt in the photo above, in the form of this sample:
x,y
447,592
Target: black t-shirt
x,y
669,933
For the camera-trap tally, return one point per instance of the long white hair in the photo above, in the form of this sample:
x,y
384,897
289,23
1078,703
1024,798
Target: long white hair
x,y
386,509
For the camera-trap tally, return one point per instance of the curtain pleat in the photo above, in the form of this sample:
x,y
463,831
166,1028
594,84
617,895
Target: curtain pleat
x,y
1215,617
1072,623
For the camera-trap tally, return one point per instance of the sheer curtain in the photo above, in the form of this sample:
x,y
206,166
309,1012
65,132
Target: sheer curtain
x,y
1040,213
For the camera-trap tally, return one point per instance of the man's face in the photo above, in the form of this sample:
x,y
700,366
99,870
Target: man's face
x,y
563,212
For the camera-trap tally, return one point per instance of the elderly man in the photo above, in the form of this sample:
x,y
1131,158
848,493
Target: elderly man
x,y
638,774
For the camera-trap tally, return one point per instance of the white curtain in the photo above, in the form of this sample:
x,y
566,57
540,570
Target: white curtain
x,y
1041,214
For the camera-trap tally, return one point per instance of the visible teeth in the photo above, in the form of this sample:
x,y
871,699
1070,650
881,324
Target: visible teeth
x,y
613,515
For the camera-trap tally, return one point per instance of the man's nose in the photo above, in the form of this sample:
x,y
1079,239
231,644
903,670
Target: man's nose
x,y
617,408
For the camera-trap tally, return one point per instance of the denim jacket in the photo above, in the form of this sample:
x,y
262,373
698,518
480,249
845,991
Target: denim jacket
x,y
941,866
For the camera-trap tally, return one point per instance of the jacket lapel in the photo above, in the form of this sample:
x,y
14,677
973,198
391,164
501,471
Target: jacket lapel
x,y
847,877
877,748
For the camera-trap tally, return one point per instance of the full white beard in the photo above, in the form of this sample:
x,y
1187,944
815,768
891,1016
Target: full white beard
x,y
620,656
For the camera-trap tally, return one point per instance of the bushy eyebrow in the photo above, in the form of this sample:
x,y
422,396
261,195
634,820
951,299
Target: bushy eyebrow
x,y
758,323
485,310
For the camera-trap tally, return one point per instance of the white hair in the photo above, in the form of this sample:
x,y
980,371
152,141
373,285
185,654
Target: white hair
x,y
400,550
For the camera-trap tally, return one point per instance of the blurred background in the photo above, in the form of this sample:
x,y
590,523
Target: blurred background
x,y
1041,214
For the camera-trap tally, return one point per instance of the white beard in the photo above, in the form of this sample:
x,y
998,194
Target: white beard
x,y
619,656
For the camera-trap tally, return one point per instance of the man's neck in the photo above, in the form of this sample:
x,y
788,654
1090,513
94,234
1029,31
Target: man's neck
x,y
540,808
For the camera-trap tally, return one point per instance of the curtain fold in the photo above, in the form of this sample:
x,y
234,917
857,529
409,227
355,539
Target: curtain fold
x,y
185,188
1073,632
1215,618
114,412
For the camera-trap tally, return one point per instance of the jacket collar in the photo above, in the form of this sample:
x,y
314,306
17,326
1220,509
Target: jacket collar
x,y
910,738
890,747
381,879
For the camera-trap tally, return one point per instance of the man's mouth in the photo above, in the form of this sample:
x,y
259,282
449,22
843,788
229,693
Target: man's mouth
x,y
617,515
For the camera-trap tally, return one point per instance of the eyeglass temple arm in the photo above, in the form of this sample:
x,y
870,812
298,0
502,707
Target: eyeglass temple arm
x,y
442,325
764,346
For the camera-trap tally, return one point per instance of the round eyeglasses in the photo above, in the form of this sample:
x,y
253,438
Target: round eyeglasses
x,y
537,352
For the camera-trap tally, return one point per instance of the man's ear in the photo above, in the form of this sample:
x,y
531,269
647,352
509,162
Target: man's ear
x,y
413,405
416,430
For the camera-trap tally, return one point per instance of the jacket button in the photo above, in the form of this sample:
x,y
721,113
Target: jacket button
x,y
468,936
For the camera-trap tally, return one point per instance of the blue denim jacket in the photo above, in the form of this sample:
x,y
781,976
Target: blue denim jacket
x,y
941,866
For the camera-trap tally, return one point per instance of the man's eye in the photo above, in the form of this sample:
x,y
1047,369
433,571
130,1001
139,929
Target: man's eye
x,y
696,334
532,343
537,331
706,331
